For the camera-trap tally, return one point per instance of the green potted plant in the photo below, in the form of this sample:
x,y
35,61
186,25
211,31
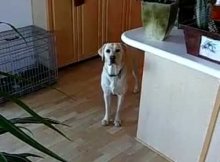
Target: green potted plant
x,y
202,25
158,17
15,126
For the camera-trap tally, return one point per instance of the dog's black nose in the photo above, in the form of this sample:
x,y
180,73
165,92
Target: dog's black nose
x,y
112,59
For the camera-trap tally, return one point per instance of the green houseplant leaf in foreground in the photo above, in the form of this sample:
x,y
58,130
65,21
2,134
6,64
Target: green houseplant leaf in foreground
x,y
10,125
19,157
2,158
29,120
14,130
32,120
31,112
16,30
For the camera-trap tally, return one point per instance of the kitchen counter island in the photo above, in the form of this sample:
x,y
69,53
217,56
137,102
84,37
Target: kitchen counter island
x,y
180,99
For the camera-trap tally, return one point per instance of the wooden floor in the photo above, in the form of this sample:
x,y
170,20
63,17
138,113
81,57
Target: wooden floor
x,y
78,102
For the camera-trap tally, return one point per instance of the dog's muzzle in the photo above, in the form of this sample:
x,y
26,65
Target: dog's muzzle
x,y
112,59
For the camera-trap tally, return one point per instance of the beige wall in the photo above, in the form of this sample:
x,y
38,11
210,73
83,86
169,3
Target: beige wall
x,y
39,13
16,12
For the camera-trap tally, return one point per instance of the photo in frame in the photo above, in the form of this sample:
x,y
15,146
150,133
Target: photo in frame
x,y
210,48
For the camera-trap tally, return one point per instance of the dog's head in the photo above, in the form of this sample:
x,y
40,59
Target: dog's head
x,y
112,53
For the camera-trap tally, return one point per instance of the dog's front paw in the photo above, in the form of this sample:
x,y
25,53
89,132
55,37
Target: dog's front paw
x,y
105,122
117,123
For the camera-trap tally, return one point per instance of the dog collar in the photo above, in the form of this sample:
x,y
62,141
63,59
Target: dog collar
x,y
116,75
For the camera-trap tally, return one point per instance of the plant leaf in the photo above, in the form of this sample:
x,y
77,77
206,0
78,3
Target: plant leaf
x,y
19,157
28,130
2,131
27,155
14,76
2,158
32,120
31,112
14,130
16,30
16,158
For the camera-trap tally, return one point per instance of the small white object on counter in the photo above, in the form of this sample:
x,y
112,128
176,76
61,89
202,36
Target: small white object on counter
x,y
210,48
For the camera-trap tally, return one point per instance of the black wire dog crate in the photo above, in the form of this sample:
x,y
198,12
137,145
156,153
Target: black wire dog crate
x,y
32,58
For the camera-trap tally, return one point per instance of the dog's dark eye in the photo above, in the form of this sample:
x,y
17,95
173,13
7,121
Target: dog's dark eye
x,y
108,51
117,50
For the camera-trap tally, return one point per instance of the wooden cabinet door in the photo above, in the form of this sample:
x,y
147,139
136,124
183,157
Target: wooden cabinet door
x,y
62,25
114,17
81,30
119,16
134,21
134,14
88,29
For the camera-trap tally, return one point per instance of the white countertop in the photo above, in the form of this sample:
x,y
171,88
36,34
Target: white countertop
x,y
173,48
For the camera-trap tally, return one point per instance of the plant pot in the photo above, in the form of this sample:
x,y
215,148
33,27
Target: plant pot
x,y
158,19
193,37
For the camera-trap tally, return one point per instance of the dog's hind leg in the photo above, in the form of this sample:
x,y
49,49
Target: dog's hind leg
x,y
117,121
106,119
135,75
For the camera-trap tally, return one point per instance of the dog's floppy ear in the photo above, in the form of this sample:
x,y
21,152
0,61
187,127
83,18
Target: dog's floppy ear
x,y
101,52
124,46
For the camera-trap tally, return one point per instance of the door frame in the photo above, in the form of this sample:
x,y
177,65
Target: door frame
x,y
49,4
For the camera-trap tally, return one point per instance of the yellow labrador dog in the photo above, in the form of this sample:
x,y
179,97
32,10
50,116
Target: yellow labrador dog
x,y
114,78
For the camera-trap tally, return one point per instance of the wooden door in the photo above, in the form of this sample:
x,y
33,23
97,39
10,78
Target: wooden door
x,y
62,24
88,19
